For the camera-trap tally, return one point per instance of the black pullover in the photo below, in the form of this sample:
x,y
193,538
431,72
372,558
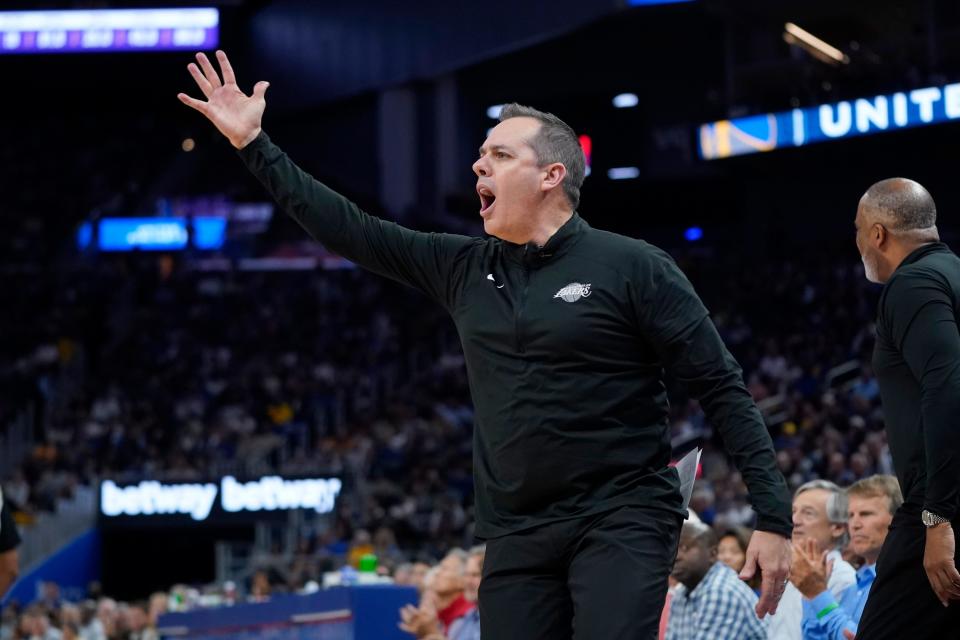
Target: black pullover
x,y
917,363
565,348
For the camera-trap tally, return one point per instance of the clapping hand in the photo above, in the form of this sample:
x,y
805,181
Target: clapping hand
x,y
420,621
811,569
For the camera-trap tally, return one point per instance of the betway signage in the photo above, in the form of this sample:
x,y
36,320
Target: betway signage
x,y
201,501
844,119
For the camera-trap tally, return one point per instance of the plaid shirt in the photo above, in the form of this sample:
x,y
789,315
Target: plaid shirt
x,y
721,607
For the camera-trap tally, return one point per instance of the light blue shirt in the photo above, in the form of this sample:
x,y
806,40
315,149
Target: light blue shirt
x,y
466,627
824,618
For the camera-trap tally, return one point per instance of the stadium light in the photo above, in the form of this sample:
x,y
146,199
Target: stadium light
x,y
493,112
816,47
623,173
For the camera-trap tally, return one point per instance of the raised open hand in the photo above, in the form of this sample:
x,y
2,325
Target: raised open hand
x,y
235,114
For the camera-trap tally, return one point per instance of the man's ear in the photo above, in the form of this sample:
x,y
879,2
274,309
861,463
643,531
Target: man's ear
x,y
553,175
879,234
837,529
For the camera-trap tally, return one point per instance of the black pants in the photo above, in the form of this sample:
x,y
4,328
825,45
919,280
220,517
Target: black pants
x,y
902,603
601,577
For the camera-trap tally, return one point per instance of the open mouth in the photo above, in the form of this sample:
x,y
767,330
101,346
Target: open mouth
x,y
487,198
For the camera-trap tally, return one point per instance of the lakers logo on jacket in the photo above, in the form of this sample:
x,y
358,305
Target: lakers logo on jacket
x,y
573,292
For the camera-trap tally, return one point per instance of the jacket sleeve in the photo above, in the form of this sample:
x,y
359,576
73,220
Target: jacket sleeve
x,y
920,314
687,342
431,262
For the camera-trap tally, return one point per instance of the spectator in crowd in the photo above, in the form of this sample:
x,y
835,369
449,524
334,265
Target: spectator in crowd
x,y
418,575
403,574
820,519
872,503
444,600
448,593
260,587
50,595
105,623
91,627
732,551
712,603
361,546
467,627
138,622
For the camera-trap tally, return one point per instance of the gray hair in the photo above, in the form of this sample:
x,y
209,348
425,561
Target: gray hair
x,y
460,556
837,510
479,550
903,206
430,576
556,141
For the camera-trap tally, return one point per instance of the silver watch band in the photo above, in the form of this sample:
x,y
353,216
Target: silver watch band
x,y
931,519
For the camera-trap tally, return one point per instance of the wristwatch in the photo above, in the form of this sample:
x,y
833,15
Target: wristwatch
x,y
931,519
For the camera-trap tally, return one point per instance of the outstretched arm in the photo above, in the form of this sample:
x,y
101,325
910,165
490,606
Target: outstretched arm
x,y
431,262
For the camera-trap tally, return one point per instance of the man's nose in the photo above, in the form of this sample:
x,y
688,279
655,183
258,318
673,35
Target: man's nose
x,y
480,168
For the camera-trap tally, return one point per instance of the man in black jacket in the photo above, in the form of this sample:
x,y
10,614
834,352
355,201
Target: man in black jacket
x,y
917,363
566,331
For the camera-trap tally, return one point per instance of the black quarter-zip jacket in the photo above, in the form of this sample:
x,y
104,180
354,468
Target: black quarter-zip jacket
x,y
917,362
565,347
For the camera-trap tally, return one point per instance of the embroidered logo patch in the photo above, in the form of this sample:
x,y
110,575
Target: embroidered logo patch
x,y
573,292
493,280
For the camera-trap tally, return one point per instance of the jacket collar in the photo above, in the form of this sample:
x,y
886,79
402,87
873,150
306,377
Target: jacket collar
x,y
531,255
921,251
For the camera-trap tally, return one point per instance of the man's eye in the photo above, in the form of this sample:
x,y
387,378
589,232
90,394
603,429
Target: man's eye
x,y
500,154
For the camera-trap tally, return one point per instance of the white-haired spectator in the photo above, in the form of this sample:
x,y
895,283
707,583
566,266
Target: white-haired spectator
x,y
819,516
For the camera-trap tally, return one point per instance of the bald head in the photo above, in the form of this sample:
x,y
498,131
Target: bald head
x,y
696,553
895,217
900,204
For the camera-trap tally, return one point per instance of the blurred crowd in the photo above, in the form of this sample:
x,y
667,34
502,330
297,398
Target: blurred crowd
x,y
177,375
97,618
446,609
